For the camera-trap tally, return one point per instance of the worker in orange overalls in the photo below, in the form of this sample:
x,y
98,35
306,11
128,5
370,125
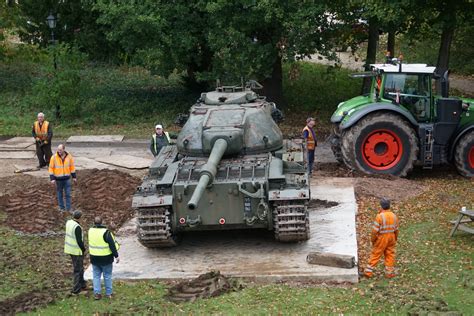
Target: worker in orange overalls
x,y
384,239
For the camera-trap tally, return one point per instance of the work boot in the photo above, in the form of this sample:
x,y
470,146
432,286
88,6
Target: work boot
x,y
97,296
110,296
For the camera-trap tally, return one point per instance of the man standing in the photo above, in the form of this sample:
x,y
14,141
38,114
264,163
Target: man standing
x,y
102,250
159,139
42,133
310,139
61,169
384,239
74,246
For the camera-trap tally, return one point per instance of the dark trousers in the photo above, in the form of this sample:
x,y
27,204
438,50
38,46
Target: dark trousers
x,y
78,265
310,160
44,154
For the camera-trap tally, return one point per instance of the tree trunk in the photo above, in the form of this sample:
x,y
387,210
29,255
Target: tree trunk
x,y
371,51
444,49
391,43
273,86
443,54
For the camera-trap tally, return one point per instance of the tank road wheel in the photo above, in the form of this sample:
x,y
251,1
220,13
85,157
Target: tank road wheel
x,y
154,227
291,221
464,155
382,143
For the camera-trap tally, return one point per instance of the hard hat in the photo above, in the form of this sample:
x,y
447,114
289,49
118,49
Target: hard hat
x,y
158,126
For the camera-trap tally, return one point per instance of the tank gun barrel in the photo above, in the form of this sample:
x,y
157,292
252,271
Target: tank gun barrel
x,y
208,172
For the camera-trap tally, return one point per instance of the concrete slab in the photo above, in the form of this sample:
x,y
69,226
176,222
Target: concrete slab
x,y
96,139
88,163
17,154
89,152
18,140
251,254
126,161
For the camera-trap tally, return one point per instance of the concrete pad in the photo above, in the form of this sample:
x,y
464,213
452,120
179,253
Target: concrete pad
x,y
95,139
18,140
17,155
89,152
88,163
251,254
126,161
20,146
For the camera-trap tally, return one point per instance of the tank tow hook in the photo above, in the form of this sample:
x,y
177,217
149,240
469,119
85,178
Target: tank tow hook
x,y
193,222
262,208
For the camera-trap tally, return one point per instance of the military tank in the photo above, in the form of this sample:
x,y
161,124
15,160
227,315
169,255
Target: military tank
x,y
229,169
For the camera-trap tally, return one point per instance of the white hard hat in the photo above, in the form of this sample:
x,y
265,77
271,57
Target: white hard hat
x,y
159,126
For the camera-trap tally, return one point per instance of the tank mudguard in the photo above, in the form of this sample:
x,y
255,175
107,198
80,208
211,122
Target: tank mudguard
x,y
151,200
460,134
353,116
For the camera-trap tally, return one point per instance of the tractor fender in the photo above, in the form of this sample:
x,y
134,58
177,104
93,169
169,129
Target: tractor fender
x,y
376,107
460,134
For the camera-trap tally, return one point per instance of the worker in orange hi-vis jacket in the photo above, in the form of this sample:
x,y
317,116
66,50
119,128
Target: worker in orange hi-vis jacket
x,y
384,240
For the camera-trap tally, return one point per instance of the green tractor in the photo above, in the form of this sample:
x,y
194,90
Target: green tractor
x,y
401,123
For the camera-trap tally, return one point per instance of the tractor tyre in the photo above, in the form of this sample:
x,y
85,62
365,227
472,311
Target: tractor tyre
x,y
382,143
464,155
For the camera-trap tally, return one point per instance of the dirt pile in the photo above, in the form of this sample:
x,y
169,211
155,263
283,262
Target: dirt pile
x,y
32,207
206,285
378,186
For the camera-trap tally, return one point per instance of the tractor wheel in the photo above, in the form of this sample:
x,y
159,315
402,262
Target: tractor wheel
x,y
381,143
464,155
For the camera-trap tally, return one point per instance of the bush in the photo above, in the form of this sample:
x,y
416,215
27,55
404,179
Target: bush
x,y
318,88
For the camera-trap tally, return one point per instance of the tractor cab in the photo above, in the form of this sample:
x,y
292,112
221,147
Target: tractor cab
x,y
410,87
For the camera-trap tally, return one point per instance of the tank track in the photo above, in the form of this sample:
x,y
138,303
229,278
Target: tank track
x,y
291,221
154,227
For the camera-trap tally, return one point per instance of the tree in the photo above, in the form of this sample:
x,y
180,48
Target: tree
x,y
76,25
221,39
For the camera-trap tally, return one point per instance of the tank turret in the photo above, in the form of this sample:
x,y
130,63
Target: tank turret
x,y
235,114
229,169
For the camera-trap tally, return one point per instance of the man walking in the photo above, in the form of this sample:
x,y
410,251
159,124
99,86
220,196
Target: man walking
x,y
102,250
74,246
159,139
310,139
61,169
384,239
42,133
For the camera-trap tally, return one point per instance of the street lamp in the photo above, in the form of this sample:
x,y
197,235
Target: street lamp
x,y
51,20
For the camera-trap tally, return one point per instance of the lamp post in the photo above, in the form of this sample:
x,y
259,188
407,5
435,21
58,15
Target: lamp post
x,y
51,20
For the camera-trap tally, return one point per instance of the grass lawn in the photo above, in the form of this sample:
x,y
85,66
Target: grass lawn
x,y
436,272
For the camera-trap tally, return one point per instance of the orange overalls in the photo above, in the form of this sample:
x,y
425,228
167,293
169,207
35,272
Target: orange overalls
x,y
384,239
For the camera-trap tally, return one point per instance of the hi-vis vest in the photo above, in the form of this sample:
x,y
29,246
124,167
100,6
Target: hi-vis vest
x,y
41,133
59,168
97,244
70,243
154,139
310,141
385,223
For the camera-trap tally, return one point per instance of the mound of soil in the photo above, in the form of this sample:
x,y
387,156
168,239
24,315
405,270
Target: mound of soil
x,y
206,285
378,186
32,207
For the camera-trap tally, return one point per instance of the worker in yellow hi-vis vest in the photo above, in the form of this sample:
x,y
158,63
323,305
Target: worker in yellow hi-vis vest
x,y
160,139
74,246
102,250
